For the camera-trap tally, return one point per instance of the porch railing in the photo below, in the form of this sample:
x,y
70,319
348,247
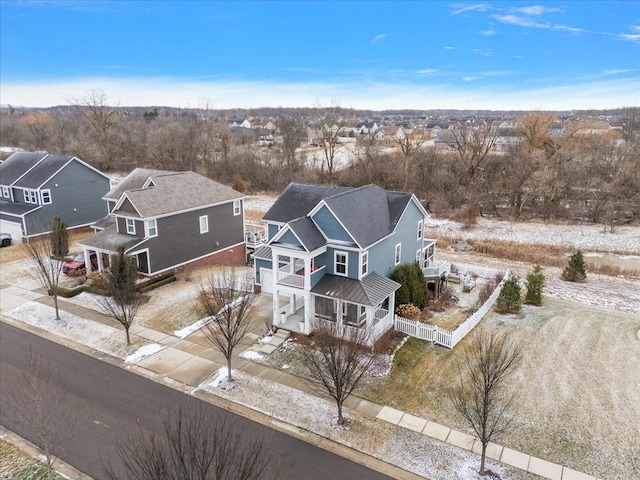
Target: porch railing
x,y
290,279
436,268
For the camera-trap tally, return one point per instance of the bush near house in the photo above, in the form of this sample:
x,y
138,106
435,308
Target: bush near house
x,y
413,287
410,311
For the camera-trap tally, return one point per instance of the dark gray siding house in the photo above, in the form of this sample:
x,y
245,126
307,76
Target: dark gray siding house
x,y
34,187
170,219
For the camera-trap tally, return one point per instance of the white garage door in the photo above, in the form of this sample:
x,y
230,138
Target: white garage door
x,y
15,229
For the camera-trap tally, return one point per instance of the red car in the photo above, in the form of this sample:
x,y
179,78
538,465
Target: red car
x,y
78,264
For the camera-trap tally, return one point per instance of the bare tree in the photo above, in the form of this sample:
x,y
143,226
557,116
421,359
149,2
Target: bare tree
x,y
124,299
481,394
337,361
332,126
195,446
42,402
409,144
46,252
291,133
228,300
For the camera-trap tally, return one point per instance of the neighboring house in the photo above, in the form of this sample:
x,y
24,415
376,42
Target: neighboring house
x,y
331,250
37,186
166,220
240,122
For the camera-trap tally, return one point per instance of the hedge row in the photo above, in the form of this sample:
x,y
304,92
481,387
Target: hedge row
x,y
143,287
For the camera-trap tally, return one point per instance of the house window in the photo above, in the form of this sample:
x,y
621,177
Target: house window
x,y
398,251
237,210
46,197
420,230
204,224
364,263
131,226
31,196
5,192
152,228
340,263
419,257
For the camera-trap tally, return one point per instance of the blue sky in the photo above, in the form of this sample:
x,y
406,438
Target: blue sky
x,y
374,55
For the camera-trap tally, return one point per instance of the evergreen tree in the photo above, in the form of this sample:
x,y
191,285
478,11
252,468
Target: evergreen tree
x,y
534,283
510,298
59,238
413,286
575,270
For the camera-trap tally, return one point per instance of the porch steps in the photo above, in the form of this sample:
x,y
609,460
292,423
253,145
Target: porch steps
x,y
276,342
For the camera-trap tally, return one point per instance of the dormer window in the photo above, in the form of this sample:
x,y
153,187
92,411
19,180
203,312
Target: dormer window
x,y
131,226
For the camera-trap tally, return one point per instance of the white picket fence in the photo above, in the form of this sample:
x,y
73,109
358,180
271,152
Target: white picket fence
x,y
446,338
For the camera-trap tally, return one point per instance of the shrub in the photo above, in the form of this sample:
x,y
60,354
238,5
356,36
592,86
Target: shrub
x,y
534,284
575,270
510,298
413,286
410,311
238,184
486,289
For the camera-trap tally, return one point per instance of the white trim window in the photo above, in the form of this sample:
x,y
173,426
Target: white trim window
x,y
340,266
131,226
5,192
45,196
204,224
420,230
364,263
152,228
237,207
419,257
398,253
31,196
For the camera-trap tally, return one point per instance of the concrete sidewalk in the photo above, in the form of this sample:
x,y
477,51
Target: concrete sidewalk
x,y
190,361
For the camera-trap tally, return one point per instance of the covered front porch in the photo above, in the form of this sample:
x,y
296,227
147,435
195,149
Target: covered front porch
x,y
104,244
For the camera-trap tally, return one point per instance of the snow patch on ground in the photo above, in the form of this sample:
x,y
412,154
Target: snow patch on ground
x,y
220,380
189,329
92,334
252,355
144,352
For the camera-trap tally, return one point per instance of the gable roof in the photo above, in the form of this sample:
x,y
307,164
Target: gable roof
x,y
307,232
298,199
173,192
17,165
33,169
136,179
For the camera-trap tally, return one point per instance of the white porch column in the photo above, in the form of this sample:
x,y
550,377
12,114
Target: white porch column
x,y
309,313
276,307
392,303
339,327
370,311
100,263
87,259
307,275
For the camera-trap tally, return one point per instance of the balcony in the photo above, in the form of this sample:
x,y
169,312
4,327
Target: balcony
x,y
290,279
436,268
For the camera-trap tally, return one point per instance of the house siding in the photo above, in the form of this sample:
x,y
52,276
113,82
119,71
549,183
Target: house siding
x,y
122,227
76,196
127,206
381,255
272,229
262,264
290,239
330,227
352,261
179,239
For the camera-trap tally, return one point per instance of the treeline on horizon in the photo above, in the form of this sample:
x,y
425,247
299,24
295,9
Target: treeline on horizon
x,y
572,176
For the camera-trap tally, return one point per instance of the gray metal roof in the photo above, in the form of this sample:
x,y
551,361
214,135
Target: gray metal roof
x,y
263,253
18,209
370,291
298,199
17,164
43,171
109,240
178,191
135,179
310,236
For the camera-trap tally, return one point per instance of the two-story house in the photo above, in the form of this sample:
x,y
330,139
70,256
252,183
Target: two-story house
x,y
330,253
167,220
35,186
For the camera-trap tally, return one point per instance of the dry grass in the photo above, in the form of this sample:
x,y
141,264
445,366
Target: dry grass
x,y
253,216
17,465
18,251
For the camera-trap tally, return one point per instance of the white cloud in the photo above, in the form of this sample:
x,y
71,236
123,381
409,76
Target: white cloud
x,y
519,21
487,33
612,93
449,47
632,37
427,71
497,73
477,7
483,52
617,72
536,10
377,38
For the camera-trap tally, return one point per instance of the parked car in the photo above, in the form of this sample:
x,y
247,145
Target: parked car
x,y
5,239
77,264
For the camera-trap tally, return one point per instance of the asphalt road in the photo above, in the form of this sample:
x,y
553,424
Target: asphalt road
x,y
109,402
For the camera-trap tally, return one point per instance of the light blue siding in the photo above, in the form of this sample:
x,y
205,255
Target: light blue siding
x,y
353,262
261,264
330,226
289,238
272,229
382,255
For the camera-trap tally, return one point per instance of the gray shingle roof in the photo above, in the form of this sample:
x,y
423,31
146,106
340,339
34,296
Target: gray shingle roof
x,y
178,191
109,239
14,208
132,181
308,233
371,290
369,213
17,164
43,171
298,199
